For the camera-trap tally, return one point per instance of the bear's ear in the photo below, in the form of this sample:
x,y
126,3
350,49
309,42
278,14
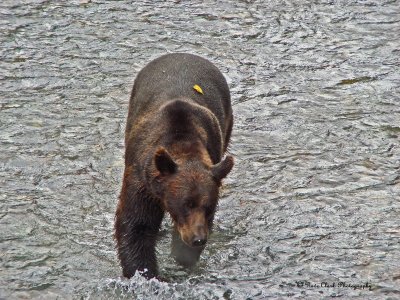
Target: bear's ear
x,y
221,169
164,162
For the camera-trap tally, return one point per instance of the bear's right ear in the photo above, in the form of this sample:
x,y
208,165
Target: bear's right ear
x,y
220,170
164,162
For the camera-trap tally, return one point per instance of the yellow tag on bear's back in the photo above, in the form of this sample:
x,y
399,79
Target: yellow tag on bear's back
x,y
198,89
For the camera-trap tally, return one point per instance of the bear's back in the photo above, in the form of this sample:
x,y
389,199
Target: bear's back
x,y
173,76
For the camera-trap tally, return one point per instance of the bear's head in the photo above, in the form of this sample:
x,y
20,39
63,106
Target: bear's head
x,y
188,190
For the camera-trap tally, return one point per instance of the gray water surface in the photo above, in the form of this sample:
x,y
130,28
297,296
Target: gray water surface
x,y
313,200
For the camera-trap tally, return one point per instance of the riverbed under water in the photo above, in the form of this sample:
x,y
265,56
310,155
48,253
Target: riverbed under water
x,y
311,209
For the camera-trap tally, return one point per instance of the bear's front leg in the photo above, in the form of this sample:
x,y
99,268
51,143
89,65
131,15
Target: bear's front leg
x,y
138,219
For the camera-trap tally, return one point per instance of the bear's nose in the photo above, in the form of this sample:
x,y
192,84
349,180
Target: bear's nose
x,y
199,235
197,242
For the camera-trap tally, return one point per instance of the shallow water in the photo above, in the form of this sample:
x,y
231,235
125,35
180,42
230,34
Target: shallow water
x,y
313,198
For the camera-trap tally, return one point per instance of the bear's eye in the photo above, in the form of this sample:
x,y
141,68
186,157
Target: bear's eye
x,y
190,204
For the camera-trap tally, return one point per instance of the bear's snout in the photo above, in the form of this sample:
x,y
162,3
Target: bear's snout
x,y
195,232
198,242
194,239
200,237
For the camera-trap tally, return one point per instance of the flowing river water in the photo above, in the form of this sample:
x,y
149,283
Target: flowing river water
x,y
311,209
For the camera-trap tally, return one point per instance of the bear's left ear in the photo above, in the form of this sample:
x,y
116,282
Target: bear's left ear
x,y
164,162
221,169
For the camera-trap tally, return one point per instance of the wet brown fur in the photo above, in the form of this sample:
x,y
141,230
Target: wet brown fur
x,y
174,141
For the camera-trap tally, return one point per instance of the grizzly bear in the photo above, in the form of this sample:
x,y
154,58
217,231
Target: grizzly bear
x,y
178,129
